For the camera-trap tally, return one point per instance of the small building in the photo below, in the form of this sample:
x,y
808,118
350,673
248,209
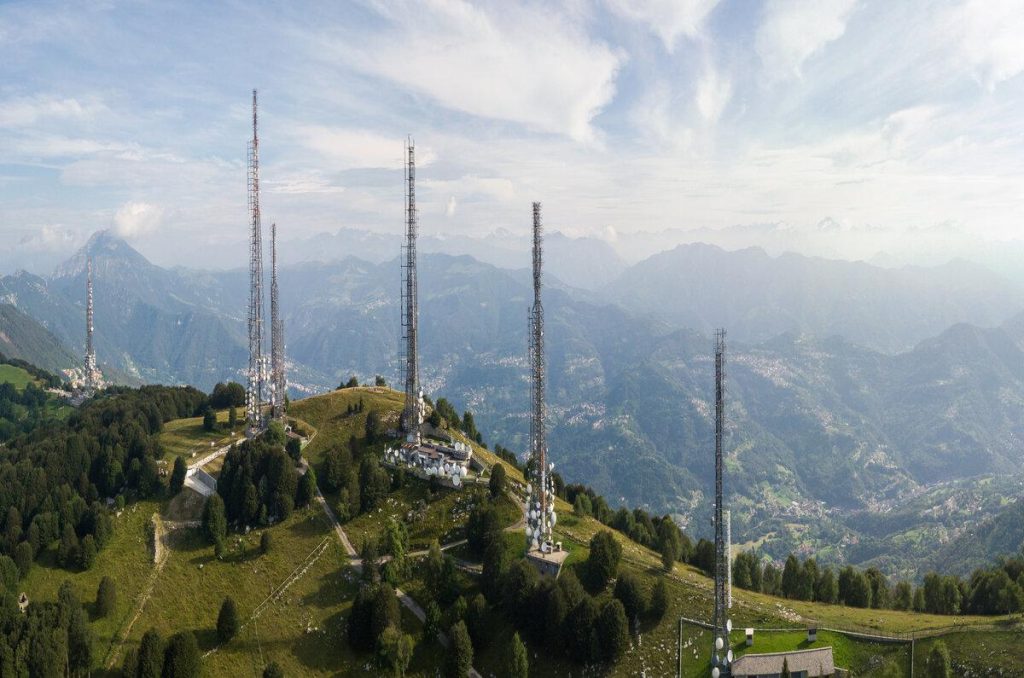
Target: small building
x,y
548,559
812,663
200,481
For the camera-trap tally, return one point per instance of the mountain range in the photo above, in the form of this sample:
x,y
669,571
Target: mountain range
x,y
866,405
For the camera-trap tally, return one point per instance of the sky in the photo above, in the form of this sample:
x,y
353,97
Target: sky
x,y
861,122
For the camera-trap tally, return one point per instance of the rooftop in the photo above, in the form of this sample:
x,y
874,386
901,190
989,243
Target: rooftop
x,y
815,662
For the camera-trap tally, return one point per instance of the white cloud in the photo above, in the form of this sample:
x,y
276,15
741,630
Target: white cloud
x,y
520,64
137,218
48,238
449,209
28,111
668,19
794,30
713,94
359,148
989,38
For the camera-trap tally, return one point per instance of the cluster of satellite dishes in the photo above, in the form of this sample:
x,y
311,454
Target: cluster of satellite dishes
x,y
719,664
439,468
540,516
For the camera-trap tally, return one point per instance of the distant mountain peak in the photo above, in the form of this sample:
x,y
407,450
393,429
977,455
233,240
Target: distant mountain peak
x,y
101,245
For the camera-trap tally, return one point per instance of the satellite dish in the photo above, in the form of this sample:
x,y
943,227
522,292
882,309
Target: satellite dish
x,y
715,672
728,626
719,643
728,657
456,481
553,517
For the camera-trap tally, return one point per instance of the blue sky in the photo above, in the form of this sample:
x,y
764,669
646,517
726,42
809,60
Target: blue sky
x,y
874,117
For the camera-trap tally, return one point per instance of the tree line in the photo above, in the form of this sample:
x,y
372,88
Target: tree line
x,y
988,591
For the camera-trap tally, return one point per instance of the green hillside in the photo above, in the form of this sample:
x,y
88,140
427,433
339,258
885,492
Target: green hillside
x,y
296,602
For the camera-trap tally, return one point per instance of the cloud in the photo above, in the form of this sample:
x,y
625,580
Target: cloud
x,y
137,218
668,19
988,38
359,148
449,209
520,64
28,111
48,238
713,94
794,30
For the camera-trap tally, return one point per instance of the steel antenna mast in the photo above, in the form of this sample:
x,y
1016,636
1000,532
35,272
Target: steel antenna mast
x,y
721,653
278,381
91,369
412,416
540,508
254,394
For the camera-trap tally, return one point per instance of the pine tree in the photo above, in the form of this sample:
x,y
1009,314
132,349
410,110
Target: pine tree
x,y
518,661
937,664
178,475
460,652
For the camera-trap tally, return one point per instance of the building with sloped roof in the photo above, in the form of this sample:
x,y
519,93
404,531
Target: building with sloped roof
x,y
802,664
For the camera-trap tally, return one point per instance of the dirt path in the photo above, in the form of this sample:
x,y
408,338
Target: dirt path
x,y
404,598
161,553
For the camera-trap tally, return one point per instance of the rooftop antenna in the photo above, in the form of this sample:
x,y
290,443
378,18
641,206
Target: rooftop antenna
x,y
540,503
278,382
412,416
722,625
254,394
91,369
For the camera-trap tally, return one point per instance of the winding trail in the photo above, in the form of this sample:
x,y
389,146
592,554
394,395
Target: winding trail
x,y
160,554
403,597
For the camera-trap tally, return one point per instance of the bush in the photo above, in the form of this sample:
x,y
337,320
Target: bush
x,y
659,599
150,658
215,521
613,630
181,658
266,541
460,652
603,561
518,661
106,597
497,481
632,596
227,620
178,475
273,670
209,420
394,649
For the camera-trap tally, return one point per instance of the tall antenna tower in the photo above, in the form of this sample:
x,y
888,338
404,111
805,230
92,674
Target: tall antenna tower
x,y
91,369
540,507
722,625
412,416
278,383
254,394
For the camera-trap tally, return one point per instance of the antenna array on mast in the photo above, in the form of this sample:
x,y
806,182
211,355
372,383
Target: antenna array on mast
x,y
278,382
540,509
254,393
721,625
92,375
412,415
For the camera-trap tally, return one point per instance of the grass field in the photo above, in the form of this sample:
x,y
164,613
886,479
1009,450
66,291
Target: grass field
x,y
182,437
126,558
15,375
304,629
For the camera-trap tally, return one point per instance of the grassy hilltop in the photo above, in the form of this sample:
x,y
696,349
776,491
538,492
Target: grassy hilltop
x,y
294,601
